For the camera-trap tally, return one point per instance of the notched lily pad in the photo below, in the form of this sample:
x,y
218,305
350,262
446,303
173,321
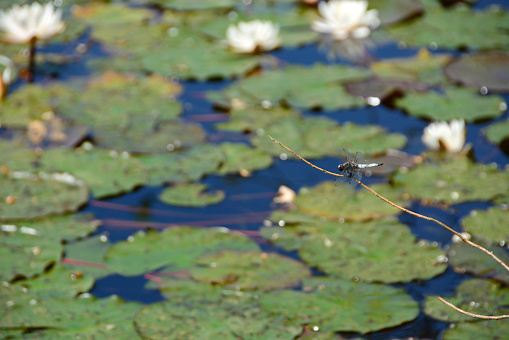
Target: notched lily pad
x,y
498,132
453,182
454,103
240,157
489,69
176,248
249,270
475,296
87,256
334,201
25,196
190,195
489,224
248,119
339,305
316,87
464,258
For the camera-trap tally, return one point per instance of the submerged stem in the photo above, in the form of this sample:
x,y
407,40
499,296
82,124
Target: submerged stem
x,y
31,62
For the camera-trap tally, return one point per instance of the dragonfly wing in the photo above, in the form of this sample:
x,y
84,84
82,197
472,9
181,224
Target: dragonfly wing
x,y
359,158
349,157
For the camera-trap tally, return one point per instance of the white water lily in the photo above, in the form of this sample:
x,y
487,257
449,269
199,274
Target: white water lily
x,y
450,137
10,73
253,36
22,24
346,18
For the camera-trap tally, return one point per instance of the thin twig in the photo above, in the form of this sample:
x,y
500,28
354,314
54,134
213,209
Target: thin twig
x,y
415,214
479,316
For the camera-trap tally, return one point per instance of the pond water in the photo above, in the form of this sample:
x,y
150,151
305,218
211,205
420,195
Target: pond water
x,y
248,200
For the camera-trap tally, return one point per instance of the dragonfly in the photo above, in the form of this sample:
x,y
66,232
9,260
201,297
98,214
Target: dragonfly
x,y
351,169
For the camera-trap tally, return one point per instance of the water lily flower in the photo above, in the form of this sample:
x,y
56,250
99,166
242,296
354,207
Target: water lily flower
x,y
346,18
29,23
253,36
443,136
8,76
285,195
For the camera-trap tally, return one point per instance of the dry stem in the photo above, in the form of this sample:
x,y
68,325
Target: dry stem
x,y
425,218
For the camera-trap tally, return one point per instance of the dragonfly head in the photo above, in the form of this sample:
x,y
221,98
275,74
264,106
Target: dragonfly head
x,y
341,167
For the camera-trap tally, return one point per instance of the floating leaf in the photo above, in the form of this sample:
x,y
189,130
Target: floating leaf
x,y
334,201
446,29
498,132
253,119
489,69
424,67
107,173
477,330
381,251
228,320
184,165
454,103
24,195
383,89
238,157
392,11
319,86
475,296
249,270
15,156
192,5
453,182
25,255
489,224
176,247
464,258
190,195
339,305
87,256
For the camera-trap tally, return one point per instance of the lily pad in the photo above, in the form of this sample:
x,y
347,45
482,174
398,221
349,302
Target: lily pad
x,y
190,195
182,165
176,247
339,305
453,182
454,103
205,319
107,173
315,87
489,69
424,67
16,156
489,225
249,270
252,119
488,330
498,132
25,196
87,256
334,201
446,29
88,315
394,11
25,255
192,5
475,296
464,258
238,157
381,251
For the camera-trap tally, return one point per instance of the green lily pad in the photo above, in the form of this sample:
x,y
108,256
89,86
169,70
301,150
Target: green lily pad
x,y
455,103
498,132
87,256
59,282
192,5
334,201
424,67
391,11
249,270
446,29
381,251
15,156
338,305
464,258
490,224
318,86
238,157
453,182
252,119
182,165
25,255
490,69
475,296
24,195
119,173
489,330
190,195
176,247
205,319
77,315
